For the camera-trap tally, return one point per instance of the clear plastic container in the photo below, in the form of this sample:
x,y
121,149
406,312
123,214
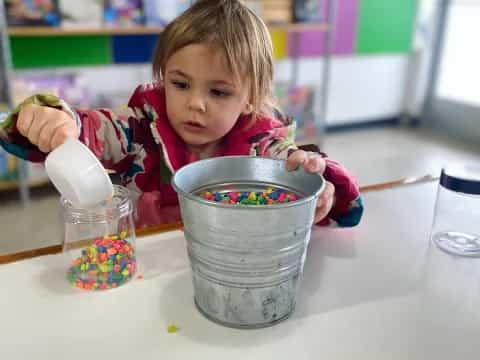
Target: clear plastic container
x,y
456,224
99,242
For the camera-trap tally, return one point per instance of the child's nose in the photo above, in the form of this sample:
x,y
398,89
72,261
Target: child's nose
x,y
197,103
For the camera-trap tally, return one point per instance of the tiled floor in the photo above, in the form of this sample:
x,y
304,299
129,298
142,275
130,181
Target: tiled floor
x,y
378,155
374,155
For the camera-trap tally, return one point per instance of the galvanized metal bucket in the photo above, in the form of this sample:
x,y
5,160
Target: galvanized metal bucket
x,y
246,259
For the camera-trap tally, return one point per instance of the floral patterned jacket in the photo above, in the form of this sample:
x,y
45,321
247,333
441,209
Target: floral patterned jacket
x,y
145,151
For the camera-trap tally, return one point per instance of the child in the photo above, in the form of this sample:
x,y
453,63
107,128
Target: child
x,y
212,97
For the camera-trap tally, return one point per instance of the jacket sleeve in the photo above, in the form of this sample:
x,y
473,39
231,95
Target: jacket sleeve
x,y
348,208
278,143
11,139
112,138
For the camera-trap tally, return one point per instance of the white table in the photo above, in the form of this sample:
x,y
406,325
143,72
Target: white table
x,y
378,291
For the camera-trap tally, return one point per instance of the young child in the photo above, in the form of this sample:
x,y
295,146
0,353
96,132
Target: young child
x,y
212,96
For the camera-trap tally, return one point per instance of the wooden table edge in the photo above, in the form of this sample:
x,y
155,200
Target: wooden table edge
x,y
158,229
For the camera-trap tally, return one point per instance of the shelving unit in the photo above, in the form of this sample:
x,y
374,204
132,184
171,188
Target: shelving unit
x,y
48,31
6,98
14,185
137,30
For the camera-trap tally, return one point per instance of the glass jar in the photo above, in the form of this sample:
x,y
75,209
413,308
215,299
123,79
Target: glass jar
x,y
456,224
100,242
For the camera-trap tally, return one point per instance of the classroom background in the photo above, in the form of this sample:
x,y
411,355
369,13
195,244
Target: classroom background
x,y
385,87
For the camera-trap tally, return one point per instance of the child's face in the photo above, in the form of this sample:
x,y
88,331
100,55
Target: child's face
x,y
204,99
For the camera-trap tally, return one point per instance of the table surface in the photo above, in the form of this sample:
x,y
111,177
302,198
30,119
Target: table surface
x,y
377,291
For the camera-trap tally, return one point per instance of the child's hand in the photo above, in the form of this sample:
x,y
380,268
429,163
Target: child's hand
x,y
314,163
46,127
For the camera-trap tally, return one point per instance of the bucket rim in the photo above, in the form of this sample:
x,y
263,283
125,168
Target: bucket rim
x,y
200,200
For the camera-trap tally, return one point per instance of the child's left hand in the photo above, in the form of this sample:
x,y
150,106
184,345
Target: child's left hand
x,y
314,163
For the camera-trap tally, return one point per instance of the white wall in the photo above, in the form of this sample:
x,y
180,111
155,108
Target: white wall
x,y
362,88
366,88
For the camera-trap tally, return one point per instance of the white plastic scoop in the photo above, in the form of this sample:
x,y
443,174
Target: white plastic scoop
x,y
78,175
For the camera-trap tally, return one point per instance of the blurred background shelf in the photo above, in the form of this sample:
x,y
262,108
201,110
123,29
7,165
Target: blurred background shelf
x,y
18,31
299,27
15,185
49,31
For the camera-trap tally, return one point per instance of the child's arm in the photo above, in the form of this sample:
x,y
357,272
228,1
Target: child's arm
x,y
41,123
346,207
340,204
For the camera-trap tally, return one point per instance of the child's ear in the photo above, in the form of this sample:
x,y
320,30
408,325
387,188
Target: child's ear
x,y
248,109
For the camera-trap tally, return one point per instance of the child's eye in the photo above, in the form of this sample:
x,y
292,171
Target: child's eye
x,y
219,93
182,85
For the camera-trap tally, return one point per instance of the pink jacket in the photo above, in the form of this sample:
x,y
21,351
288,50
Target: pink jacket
x,y
145,151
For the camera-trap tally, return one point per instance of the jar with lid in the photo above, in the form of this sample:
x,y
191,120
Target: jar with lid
x,y
99,242
456,224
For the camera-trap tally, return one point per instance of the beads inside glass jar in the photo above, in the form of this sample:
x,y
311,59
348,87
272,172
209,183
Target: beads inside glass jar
x,y
100,242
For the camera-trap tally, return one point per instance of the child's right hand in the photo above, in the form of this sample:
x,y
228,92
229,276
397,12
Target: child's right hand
x,y
46,127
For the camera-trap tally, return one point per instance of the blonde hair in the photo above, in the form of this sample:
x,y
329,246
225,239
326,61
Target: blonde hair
x,y
238,32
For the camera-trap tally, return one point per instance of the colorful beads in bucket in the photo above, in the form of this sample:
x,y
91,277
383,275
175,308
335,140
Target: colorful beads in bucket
x,y
106,264
270,196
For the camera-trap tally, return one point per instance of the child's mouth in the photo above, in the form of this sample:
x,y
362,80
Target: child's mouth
x,y
192,125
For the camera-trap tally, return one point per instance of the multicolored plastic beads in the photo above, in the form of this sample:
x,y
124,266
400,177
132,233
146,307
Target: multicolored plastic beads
x,y
108,263
270,196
